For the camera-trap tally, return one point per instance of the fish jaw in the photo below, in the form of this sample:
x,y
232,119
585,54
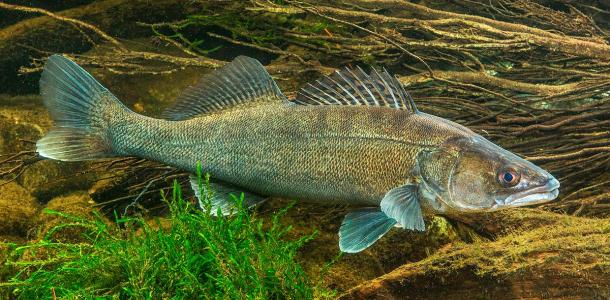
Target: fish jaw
x,y
538,195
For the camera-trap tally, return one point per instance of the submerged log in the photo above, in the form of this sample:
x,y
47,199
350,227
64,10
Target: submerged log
x,y
551,256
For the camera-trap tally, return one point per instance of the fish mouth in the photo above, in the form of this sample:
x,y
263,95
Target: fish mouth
x,y
537,195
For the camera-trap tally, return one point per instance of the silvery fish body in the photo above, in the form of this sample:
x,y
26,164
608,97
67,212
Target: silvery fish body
x,y
322,153
351,138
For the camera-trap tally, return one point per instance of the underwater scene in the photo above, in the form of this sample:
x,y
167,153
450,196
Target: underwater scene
x,y
305,149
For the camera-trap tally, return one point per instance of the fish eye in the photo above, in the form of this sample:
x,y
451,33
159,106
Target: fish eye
x,y
508,177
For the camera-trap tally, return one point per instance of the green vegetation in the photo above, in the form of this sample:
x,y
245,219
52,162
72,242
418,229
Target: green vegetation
x,y
192,255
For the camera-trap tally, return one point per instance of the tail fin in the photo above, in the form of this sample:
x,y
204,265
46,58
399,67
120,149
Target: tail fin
x,y
76,102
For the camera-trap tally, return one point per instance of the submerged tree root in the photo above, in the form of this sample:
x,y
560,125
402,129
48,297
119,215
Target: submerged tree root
x,y
81,28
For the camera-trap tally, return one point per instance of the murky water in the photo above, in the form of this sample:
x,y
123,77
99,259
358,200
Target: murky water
x,y
531,76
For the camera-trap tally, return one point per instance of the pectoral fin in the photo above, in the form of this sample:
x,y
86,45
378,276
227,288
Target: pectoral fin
x,y
362,228
221,196
402,205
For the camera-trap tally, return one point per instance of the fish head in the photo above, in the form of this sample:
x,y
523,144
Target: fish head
x,y
476,175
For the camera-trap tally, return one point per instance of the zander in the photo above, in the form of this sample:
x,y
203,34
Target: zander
x,y
351,138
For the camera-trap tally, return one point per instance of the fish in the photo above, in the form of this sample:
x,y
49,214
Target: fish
x,y
352,138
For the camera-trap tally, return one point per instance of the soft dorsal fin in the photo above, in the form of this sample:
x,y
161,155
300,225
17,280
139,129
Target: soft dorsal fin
x,y
355,87
244,81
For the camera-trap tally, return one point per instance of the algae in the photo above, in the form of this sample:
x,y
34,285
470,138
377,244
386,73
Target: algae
x,y
191,255
54,226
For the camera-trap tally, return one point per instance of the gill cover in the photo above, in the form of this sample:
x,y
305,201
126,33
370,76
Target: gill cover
x,y
435,169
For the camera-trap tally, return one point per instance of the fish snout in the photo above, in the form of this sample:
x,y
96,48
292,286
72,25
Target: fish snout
x,y
537,195
553,184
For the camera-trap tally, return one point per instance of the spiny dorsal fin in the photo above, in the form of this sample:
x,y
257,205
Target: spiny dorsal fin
x,y
355,87
244,81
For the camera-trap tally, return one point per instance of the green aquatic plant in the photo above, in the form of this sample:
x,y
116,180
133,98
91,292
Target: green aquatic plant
x,y
192,255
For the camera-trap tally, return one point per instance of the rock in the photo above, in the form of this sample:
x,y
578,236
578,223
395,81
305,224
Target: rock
x,y
397,247
77,205
116,17
566,259
16,137
23,120
18,210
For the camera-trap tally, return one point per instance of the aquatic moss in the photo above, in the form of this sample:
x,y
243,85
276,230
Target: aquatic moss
x,y
551,256
192,255
555,238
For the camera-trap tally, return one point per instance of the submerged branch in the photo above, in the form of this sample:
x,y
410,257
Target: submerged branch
x,y
95,29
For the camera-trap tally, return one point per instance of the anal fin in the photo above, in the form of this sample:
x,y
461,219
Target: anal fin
x,y
222,196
